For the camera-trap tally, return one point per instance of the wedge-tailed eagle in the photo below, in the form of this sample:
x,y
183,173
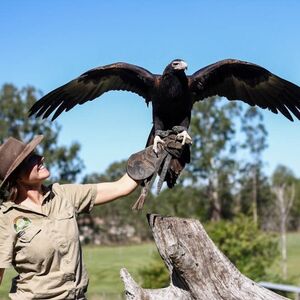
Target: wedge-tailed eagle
x,y
173,94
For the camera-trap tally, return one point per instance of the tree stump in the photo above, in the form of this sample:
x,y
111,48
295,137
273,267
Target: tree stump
x,y
198,270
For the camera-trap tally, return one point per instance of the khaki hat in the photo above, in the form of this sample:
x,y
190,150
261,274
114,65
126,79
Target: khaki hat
x,y
12,154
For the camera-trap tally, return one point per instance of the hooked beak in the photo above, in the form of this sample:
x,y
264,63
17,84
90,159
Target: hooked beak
x,y
182,65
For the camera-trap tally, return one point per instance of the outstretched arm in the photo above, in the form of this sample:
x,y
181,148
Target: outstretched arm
x,y
109,191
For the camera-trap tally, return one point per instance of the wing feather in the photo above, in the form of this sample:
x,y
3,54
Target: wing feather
x,y
94,83
239,80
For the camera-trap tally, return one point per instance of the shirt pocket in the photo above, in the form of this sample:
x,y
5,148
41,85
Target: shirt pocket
x,y
65,215
28,234
66,226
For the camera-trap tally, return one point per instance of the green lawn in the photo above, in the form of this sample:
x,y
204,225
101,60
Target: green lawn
x,y
104,264
293,252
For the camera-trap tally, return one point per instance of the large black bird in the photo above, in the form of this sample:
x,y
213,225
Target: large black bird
x,y
173,94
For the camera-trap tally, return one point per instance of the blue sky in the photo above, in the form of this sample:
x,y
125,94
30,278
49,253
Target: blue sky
x,y
47,43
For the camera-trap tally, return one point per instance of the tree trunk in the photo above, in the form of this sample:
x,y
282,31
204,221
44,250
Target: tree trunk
x,y
198,270
283,249
215,199
285,196
254,195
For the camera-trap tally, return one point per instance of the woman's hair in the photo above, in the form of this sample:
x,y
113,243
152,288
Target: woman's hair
x,y
11,186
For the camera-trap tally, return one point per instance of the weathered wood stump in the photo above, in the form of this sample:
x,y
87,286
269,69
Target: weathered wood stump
x,y
198,270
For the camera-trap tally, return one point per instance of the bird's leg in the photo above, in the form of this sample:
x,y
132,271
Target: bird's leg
x,y
182,135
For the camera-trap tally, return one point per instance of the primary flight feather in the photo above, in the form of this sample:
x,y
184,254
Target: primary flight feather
x,y
173,94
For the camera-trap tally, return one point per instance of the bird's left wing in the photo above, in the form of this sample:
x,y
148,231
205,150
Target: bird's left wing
x,y
239,80
92,84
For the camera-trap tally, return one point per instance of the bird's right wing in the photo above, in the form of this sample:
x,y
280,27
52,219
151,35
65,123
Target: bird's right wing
x,y
251,83
92,84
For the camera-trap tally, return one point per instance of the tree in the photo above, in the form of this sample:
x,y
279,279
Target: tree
x,y
294,222
213,131
182,201
264,196
255,143
197,269
64,162
283,186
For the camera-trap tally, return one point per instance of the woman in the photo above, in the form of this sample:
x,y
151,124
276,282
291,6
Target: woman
x,y
38,229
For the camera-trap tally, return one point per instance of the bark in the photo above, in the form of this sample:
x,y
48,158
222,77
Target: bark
x,y
198,270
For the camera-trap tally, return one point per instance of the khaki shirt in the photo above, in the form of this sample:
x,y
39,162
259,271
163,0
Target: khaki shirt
x,y
44,248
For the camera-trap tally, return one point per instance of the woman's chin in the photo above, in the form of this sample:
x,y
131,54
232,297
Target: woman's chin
x,y
44,173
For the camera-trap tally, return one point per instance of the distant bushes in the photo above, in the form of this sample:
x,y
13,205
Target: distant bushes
x,y
251,250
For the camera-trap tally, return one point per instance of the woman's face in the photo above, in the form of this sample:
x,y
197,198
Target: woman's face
x,y
32,170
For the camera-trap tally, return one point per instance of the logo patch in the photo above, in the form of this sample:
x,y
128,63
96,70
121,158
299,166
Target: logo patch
x,y
20,223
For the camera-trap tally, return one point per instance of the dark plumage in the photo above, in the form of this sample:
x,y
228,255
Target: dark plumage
x,y
173,93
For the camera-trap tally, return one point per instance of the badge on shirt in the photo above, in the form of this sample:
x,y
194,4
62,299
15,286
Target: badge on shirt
x,y
20,223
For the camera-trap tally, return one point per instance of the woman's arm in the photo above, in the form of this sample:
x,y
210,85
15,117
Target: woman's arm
x,y
109,191
1,274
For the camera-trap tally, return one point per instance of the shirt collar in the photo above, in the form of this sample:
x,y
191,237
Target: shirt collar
x,y
7,205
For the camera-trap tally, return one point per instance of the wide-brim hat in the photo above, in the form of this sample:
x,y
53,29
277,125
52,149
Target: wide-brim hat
x,y
12,154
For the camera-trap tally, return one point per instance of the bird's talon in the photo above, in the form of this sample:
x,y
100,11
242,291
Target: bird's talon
x,y
157,140
185,137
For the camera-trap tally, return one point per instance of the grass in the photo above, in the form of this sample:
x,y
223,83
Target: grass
x,y
104,264
293,252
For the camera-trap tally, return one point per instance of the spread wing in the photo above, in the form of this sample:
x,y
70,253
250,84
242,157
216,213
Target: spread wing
x,y
92,84
239,80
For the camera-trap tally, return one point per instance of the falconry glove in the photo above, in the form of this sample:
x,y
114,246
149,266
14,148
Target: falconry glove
x,y
145,165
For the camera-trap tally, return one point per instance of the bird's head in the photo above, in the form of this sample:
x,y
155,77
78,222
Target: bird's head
x,y
176,65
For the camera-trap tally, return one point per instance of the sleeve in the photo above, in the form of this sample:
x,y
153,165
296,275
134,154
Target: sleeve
x,y
82,196
6,243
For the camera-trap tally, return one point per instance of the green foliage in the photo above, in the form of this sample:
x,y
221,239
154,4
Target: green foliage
x,y
283,176
255,134
63,162
155,275
212,129
264,196
181,201
248,248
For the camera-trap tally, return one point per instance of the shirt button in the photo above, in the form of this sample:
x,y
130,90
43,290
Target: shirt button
x,y
63,248
69,277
